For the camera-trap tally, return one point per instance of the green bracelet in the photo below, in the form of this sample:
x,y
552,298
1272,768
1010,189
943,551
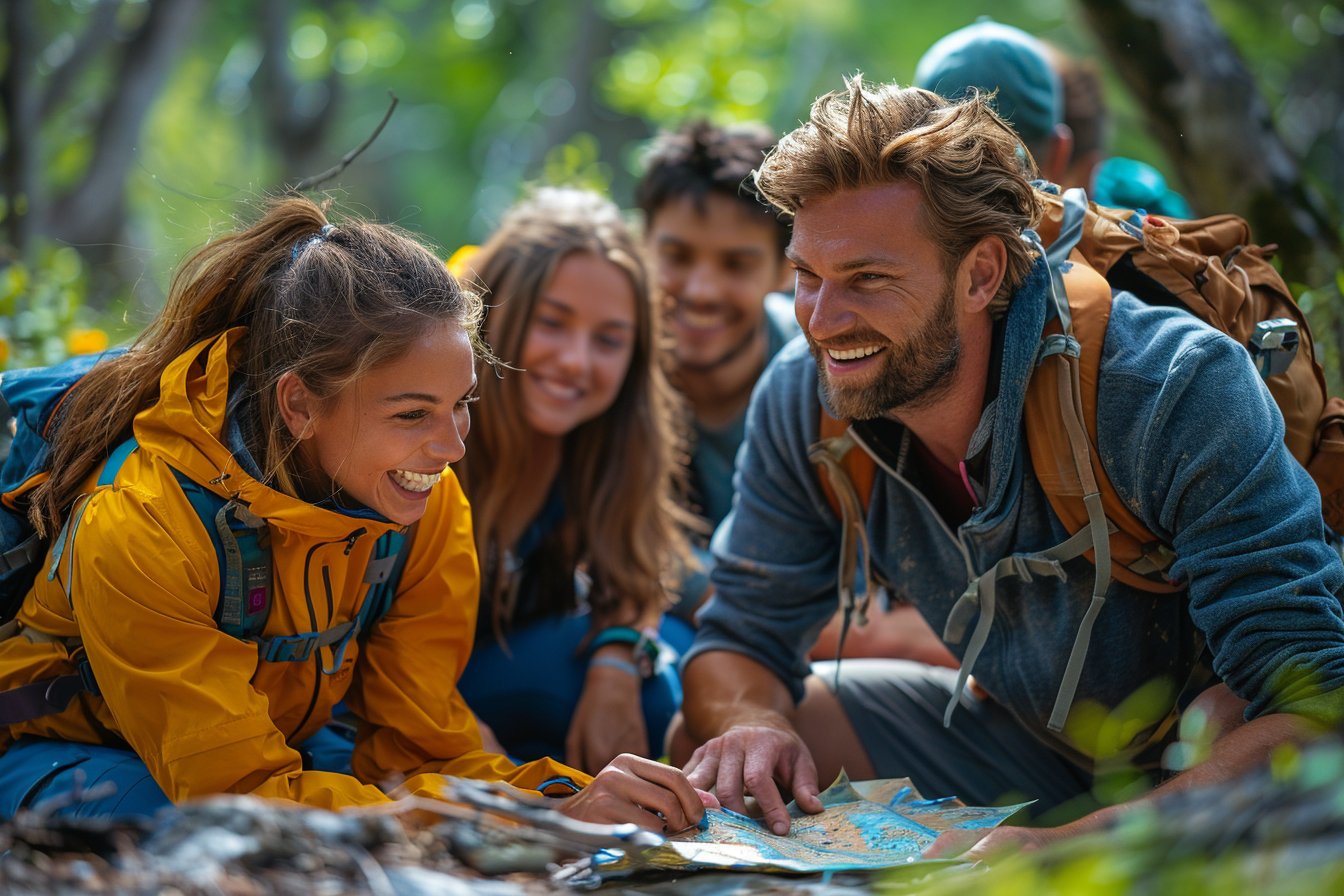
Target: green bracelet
x,y
643,644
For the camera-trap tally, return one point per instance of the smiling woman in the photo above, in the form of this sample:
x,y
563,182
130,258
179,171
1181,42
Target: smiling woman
x,y
307,384
571,476
385,440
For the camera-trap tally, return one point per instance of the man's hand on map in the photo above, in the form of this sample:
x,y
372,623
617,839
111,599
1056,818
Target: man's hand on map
x,y
757,760
634,789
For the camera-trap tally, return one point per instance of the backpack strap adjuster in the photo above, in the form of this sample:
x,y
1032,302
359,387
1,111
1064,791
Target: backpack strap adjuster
x,y
298,648
26,553
288,648
86,676
1058,344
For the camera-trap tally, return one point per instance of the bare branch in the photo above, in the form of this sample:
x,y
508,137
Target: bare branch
x,y
309,183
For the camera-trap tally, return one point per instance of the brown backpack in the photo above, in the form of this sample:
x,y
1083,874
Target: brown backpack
x,y
1207,266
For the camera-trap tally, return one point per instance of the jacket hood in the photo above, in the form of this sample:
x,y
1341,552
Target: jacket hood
x,y
1022,343
186,428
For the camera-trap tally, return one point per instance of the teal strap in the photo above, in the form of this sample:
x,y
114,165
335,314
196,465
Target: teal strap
x,y
644,642
644,646
245,592
616,634
111,467
383,576
1071,228
242,546
298,648
114,461
981,593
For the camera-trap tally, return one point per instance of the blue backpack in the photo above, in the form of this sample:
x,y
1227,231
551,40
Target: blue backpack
x,y
241,540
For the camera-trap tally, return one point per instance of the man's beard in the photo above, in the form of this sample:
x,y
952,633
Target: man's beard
x,y
732,353
914,373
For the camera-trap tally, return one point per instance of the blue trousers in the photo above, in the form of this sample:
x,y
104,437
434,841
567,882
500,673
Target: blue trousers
x,y
69,777
528,695
92,781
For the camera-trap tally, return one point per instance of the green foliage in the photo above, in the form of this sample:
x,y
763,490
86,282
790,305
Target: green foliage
x,y
1278,831
577,163
496,94
43,318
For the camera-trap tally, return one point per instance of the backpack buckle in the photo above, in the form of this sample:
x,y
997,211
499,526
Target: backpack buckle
x,y
86,676
290,648
1273,345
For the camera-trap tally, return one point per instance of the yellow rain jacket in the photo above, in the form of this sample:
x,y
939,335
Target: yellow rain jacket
x,y
137,585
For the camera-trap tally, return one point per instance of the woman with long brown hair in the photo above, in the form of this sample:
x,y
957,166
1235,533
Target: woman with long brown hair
x,y
571,474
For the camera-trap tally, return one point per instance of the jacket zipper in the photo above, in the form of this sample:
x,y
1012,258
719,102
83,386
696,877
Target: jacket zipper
x,y
349,541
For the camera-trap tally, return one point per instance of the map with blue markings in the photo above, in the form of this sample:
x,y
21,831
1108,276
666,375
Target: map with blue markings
x,y
865,826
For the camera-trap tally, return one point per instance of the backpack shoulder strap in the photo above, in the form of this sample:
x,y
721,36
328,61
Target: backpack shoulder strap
x,y
106,476
1210,267
384,576
242,546
1060,416
860,470
847,476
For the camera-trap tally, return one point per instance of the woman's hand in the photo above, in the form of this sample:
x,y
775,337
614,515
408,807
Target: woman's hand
x,y
609,719
640,791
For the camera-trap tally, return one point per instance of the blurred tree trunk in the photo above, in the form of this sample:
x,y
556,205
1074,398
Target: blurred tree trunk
x,y
139,44
570,46
1201,103
19,165
298,114
93,212
1203,106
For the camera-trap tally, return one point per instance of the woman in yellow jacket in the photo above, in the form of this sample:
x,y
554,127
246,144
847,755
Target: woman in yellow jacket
x,y
318,377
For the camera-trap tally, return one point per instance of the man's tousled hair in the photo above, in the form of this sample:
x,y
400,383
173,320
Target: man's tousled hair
x,y
960,155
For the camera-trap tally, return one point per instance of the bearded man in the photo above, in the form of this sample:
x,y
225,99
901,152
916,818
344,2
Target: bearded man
x,y
922,307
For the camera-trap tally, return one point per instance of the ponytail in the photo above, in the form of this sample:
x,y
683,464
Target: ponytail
x,y
324,301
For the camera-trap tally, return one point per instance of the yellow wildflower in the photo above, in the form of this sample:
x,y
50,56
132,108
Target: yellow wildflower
x,y
86,342
457,262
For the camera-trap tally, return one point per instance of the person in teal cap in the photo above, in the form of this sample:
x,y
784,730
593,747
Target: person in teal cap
x,y
1036,90
992,56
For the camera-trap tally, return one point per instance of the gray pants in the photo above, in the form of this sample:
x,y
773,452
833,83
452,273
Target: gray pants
x,y
984,758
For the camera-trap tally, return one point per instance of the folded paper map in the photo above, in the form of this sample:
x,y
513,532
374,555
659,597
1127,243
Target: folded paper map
x,y
865,826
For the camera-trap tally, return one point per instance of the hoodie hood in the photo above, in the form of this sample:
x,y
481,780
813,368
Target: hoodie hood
x,y
187,428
